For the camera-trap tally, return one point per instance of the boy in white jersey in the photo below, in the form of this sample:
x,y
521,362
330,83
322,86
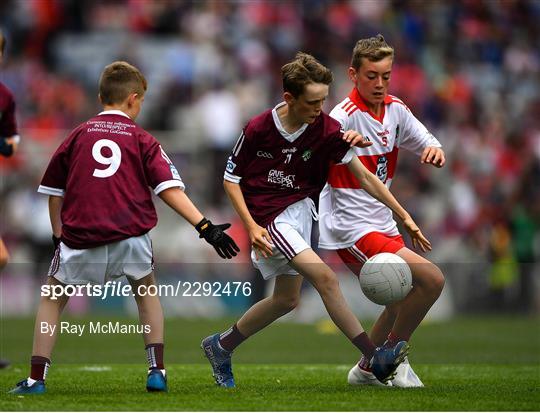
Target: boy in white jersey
x,y
279,163
357,225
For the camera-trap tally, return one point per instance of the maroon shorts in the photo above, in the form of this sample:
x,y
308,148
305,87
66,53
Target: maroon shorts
x,y
366,247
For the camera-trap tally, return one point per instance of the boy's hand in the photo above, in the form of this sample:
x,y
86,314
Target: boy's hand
x,y
353,138
434,156
215,235
260,238
417,237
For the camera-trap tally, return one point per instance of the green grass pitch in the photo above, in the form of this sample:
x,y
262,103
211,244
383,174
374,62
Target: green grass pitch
x,y
473,363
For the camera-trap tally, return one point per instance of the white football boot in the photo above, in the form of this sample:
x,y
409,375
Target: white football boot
x,y
405,376
358,376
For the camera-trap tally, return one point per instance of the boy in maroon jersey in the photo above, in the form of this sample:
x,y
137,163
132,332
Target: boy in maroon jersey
x,y
278,165
101,211
9,140
9,137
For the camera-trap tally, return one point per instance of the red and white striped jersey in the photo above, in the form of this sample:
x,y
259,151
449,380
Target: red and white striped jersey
x,y
347,212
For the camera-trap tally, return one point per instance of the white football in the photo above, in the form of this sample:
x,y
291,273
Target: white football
x,y
385,278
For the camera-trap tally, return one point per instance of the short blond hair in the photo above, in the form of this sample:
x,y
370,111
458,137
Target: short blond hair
x,y
304,69
118,80
374,49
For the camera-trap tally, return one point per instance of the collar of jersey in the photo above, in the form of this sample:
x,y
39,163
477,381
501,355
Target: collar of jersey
x,y
291,137
113,112
355,97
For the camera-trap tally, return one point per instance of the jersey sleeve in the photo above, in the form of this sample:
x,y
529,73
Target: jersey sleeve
x,y
342,151
240,157
414,137
160,172
339,114
55,177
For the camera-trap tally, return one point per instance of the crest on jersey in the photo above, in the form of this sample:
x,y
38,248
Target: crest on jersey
x,y
230,165
382,168
307,154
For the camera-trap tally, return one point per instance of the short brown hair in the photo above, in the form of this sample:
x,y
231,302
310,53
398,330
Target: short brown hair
x,y
118,81
374,49
302,70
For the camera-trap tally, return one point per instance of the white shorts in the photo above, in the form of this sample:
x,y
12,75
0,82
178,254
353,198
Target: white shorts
x,y
131,257
291,234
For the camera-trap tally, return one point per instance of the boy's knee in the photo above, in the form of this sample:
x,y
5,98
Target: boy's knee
x,y
327,282
435,282
286,303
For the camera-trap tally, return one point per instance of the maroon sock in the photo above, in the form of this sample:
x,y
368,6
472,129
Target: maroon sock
x,y
154,355
364,344
39,367
231,338
365,363
393,338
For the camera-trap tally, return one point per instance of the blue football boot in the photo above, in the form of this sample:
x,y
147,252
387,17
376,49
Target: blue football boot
x,y
387,358
23,388
156,380
220,360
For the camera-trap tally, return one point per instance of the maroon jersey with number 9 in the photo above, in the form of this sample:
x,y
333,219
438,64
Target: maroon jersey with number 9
x,y
104,170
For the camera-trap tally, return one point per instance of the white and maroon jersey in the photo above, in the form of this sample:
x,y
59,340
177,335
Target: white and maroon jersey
x,y
275,169
347,212
104,170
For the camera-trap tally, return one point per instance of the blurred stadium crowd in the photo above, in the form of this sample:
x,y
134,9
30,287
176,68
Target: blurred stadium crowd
x,y
469,70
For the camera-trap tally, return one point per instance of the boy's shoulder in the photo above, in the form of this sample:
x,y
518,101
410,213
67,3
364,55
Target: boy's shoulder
x,y
328,125
260,123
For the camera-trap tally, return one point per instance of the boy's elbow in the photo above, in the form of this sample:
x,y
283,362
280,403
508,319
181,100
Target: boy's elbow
x,y
228,184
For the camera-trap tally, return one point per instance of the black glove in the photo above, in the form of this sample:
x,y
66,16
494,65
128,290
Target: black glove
x,y
56,241
6,149
215,236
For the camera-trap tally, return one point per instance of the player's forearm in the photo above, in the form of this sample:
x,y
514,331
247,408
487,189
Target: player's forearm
x,y
373,186
55,208
182,205
234,193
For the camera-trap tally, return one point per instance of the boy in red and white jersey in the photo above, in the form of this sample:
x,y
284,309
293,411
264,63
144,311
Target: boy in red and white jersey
x,y
279,163
99,184
359,226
